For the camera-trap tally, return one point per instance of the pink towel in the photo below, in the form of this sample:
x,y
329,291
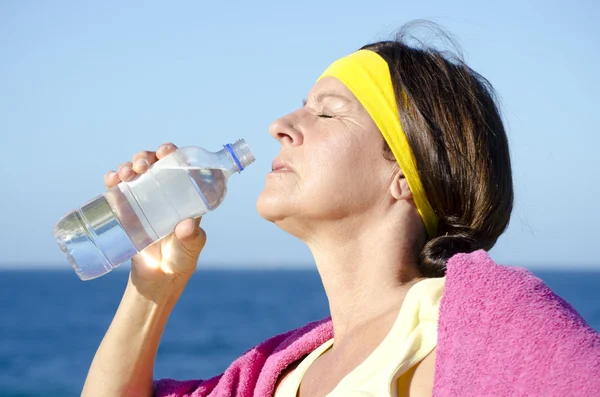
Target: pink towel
x,y
256,371
502,332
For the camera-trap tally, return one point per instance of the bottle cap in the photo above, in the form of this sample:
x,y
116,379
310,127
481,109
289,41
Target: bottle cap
x,y
241,154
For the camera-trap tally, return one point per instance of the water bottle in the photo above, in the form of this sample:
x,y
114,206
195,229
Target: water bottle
x,y
113,227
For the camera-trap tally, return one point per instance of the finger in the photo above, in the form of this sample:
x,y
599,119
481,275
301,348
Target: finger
x,y
191,236
142,160
165,150
111,179
126,171
187,228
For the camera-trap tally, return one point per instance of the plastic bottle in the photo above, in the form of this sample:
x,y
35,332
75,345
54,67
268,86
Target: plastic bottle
x,y
113,227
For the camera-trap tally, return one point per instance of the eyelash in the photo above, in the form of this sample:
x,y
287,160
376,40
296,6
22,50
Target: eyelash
x,y
322,115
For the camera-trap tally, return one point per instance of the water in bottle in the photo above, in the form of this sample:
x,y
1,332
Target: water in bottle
x,y
111,228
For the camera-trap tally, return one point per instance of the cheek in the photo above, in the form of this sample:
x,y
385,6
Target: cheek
x,y
341,169
343,164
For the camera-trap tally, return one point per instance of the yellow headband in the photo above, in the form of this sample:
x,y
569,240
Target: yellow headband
x,y
367,75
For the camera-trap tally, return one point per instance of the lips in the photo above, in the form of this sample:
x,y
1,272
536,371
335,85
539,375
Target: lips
x,y
280,165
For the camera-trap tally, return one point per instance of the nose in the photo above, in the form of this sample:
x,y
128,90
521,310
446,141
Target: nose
x,y
286,131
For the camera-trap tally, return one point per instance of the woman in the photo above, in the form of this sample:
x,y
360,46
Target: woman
x,y
397,161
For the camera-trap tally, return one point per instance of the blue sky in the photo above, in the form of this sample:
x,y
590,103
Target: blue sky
x,y
84,85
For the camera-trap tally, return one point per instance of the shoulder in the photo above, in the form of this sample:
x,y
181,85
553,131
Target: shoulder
x,y
278,353
308,336
502,325
258,368
479,285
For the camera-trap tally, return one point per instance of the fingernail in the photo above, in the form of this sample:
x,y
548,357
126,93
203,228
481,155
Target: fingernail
x,y
165,147
141,163
112,174
126,170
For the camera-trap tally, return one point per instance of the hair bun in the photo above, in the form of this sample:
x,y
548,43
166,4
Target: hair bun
x,y
438,250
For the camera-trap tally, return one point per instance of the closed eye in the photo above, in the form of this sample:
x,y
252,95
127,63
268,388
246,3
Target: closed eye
x,y
322,115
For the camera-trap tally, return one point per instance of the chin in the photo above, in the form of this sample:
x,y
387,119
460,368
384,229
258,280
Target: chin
x,y
270,208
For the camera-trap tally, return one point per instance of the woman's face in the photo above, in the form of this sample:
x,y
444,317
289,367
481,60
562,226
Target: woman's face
x,y
331,164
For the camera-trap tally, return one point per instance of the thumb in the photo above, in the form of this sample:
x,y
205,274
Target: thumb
x,y
191,236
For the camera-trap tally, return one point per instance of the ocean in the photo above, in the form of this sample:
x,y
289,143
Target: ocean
x,y
52,322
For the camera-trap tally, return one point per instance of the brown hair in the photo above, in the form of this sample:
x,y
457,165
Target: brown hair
x,y
455,130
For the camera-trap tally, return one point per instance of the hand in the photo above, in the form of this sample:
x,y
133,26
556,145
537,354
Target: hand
x,y
174,257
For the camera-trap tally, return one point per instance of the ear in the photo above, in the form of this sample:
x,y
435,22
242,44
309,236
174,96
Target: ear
x,y
399,187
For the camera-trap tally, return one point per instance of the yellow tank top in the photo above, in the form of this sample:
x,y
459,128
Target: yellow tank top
x,y
412,337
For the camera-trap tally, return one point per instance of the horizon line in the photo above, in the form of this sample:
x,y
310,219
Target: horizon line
x,y
283,266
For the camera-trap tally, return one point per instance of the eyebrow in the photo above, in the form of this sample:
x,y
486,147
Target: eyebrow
x,y
320,97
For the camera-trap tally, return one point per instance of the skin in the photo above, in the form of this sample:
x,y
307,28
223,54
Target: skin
x,y
350,205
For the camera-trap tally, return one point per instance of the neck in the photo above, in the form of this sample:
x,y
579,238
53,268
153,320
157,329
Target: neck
x,y
366,273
